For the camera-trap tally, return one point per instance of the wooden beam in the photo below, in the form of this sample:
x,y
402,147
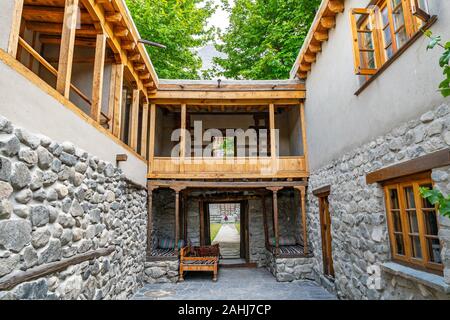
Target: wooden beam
x,y
133,132
421,164
177,218
182,137
85,30
97,81
16,19
115,98
56,40
150,219
11,280
66,49
315,48
302,192
266,227
305,67
309,58
144,131
275,217
328,22
135,57
321,36
273,147
151,153
128,45
121,32
336,6
113,17
228,95
304,138
226,184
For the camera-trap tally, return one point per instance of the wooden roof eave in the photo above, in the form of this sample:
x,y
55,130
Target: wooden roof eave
x,y
318,33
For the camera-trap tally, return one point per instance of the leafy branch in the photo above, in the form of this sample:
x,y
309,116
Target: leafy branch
x,y
444,86
435,197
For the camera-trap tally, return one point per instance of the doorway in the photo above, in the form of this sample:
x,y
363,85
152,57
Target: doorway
x,y
325,230
226,223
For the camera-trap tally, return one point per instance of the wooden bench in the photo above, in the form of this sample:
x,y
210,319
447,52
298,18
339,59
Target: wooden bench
x,y
204,258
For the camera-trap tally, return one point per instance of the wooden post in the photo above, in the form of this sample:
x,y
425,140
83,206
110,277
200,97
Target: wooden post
x,y
302,192
150,219
133,132
115,98
97,80
67,46
182,137
151,151
144,134
275,217
273,147
177,217
305,145
201,209
266,230
15,28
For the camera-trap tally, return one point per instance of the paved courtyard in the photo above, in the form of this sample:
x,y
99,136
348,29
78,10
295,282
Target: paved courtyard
x,y
234,284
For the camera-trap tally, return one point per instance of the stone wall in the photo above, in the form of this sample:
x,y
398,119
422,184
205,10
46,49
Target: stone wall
x,y
358,218
161,271
57,202
290,269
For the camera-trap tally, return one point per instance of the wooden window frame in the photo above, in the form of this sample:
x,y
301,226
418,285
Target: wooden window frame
x,y
326,239
399,185
373,11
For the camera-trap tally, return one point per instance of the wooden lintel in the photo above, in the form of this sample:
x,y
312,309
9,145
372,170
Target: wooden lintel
x,y
114,17
336,6
328,22
321,36
315,48
226,184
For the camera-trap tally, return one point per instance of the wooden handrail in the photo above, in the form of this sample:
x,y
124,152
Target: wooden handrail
x,y
53,71
49,67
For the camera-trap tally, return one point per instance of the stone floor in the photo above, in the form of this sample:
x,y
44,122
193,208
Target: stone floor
x,y
229,241
234,284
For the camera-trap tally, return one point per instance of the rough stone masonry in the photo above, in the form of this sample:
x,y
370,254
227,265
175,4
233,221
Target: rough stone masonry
x,y
358,218
58,202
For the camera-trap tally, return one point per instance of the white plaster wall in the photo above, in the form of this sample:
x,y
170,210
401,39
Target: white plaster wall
x,y
27,105
6,11
337,120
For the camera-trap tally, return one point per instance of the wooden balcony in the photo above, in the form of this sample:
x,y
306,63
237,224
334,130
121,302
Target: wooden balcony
x,y
228,168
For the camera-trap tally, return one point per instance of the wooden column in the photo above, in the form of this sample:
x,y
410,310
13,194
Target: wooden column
x,y
266,228
183,137
302,192
177,216
305,145
97,79
273,147
144,134
150,218
133,132
15,28
67,46
115,99
275,217
201,209
151,151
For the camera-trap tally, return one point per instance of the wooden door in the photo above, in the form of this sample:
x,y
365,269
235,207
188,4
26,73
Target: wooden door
x,y
325,228
244,247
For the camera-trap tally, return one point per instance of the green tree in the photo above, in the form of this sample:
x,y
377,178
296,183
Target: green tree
x,y
264,37
178,24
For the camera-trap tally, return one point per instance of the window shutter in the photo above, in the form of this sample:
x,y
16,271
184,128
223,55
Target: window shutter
x,y
420,10
365,41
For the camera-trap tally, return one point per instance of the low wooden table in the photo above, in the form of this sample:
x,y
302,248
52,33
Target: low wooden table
x,y
204,258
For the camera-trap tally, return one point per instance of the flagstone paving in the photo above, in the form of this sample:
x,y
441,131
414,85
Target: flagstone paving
x,y
229,241
234,284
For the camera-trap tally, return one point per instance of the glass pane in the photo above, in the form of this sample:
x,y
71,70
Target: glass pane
x,y
367,59
393,194
425,203
399,244
389,52
431,223
416,249
401,37
387,36
413,223
409,198
434,250
365,40
395,3
423,4
399,19
397,221
385,16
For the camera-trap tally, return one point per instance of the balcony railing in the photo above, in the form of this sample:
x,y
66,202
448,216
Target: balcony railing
x,y
236,168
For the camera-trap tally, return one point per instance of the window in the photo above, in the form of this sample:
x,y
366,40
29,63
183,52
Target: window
x,y
413,224
380,30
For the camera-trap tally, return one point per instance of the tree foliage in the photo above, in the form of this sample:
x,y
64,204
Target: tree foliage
x,y
444,86
178,24
264,37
